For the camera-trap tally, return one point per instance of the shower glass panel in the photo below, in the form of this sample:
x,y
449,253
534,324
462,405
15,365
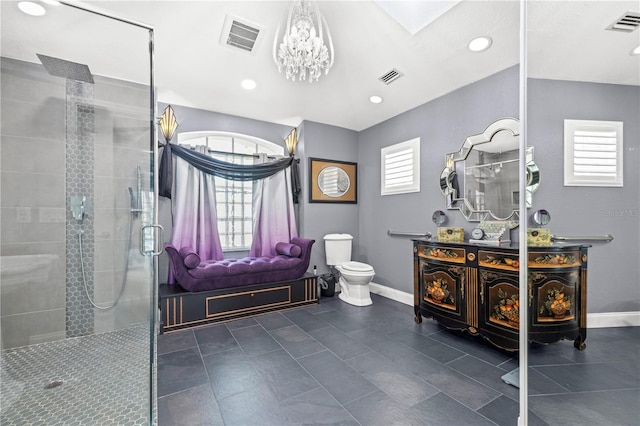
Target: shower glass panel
x,y
76,294
584,71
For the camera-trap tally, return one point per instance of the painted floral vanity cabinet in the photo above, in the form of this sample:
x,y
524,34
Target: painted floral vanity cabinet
x,y
475,288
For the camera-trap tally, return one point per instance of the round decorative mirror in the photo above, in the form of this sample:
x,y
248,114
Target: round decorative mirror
x,y
541,217
439,217
333,181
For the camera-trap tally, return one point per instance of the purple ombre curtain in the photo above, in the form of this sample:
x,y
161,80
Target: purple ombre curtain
x,y
273,213
194,211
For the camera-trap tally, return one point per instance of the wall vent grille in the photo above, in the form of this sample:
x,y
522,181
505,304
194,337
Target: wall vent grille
x,y
629,22
390,76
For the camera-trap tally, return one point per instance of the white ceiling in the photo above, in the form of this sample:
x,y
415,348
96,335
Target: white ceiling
x,y
566,40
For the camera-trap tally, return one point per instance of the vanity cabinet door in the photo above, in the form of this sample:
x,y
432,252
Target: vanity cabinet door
x,y
500,307
555,296
442,292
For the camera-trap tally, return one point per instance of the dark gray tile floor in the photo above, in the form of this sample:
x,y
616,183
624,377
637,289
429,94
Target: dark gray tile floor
x,y
338,364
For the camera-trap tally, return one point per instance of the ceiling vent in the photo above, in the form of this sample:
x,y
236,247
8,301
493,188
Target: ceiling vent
x,y
240,34
627,23
390,76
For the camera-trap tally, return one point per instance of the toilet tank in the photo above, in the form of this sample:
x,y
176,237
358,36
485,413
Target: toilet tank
x,y
337,248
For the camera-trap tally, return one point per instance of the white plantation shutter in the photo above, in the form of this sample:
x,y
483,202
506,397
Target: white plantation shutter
x,y
592,153
400,168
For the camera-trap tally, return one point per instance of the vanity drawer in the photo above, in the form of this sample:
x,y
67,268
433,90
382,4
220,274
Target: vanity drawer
x,y
181,309
508,261
247,301
556,259
443,254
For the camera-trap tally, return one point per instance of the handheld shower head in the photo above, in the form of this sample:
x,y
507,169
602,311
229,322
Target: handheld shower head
x,y
136,197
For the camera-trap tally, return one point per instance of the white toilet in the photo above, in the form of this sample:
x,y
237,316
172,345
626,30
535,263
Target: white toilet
x,y
354,276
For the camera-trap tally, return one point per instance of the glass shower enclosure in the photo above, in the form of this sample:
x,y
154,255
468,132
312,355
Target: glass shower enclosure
x,y
77,290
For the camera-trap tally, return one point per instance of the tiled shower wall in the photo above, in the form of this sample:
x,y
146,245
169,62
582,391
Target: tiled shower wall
x,y
48,303
80,249
32,151
122,143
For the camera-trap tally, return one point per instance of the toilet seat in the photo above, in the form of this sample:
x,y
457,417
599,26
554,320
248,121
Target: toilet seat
x,y
356,267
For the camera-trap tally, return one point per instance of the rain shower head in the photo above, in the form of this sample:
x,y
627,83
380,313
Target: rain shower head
x,y
66,69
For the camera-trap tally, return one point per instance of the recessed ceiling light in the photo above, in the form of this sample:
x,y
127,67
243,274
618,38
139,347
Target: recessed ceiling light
x,y
375,99
479,44
635,51
248,84
31,8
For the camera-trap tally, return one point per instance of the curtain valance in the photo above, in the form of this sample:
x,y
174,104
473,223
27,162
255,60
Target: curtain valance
x,y
223,169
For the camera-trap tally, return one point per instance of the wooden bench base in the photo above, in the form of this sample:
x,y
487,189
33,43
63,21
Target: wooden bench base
x,y
181,309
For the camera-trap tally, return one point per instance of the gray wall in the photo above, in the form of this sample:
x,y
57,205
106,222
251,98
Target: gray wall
x,y
614,268
318,219
442,125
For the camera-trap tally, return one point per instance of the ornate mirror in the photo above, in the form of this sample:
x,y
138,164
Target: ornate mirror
x,y
481,179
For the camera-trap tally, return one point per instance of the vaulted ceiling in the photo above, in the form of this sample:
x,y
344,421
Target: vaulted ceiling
x,y
566,40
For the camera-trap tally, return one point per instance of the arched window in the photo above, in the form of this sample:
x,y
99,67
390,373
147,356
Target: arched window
x,y
234,199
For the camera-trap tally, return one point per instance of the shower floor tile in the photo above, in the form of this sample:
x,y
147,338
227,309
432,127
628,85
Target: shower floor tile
x,y
98,379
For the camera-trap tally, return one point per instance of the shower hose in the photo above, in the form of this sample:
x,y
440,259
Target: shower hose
x,y
124,278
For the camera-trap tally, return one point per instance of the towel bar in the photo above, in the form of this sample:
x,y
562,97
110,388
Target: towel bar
x,y
426,235
603,238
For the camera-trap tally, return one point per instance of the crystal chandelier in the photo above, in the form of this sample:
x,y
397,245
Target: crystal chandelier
x,y
303,53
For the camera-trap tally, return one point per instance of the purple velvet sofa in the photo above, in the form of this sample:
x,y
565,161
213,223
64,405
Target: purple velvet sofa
x,y
195,275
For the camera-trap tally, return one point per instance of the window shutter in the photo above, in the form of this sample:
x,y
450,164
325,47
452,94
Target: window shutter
x,y
593,153
400,169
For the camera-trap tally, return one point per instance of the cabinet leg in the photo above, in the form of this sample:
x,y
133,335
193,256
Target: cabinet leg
x,y
579,343
418,315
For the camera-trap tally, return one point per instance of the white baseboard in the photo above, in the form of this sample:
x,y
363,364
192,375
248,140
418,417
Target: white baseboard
x,y
391,293
613,319
594,320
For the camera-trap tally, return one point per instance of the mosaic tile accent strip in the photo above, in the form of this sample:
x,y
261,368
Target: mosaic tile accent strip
x,y
80,147
92,380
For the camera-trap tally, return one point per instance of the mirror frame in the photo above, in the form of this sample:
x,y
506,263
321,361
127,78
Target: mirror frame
x,y
450,189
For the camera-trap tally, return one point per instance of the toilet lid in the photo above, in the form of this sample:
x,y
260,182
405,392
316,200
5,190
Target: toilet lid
x,y
356,267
